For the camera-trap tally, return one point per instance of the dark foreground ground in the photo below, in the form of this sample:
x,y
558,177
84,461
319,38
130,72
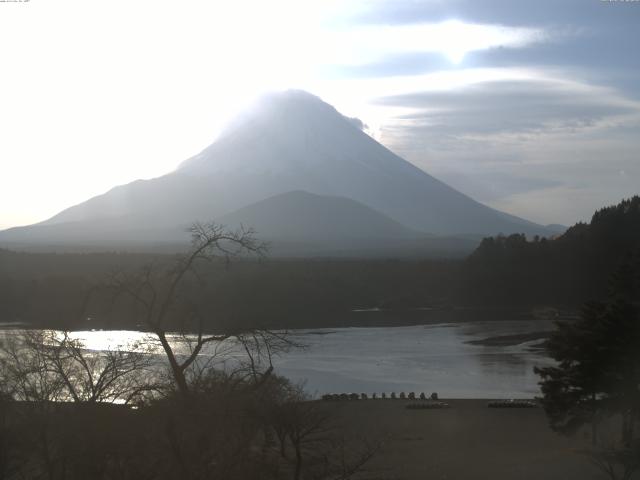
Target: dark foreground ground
x,y
466,441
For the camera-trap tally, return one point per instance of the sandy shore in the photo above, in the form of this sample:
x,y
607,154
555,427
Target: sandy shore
x,y
466,441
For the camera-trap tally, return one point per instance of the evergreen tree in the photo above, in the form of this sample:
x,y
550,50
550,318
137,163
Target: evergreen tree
x,y
575,389
598,364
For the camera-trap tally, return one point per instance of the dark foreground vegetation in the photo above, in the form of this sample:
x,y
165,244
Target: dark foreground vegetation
x,y
151,411
60,420
69,413
596,379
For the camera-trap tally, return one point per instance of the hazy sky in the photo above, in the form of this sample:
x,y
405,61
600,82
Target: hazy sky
x,y
532,107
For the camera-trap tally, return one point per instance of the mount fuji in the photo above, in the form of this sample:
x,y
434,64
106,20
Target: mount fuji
x,y
300,173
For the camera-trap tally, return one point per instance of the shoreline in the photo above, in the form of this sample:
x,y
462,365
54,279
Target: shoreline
x,y
512,340
362,318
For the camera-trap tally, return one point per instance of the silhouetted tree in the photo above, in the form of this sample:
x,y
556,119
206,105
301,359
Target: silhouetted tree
x,y
311,439
158,292
55,390
574,390
47,366
598,370
598,375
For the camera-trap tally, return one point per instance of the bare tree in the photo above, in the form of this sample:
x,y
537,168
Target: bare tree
x,y
158,292
235,401
52,384
312,440
26,375
49,366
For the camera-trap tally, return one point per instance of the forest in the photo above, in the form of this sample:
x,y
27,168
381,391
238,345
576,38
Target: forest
x,y
505,272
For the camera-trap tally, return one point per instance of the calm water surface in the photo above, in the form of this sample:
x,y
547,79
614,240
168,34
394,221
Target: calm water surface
x,y
424,358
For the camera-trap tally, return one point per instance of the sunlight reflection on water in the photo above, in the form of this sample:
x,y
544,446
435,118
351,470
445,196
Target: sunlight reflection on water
x,y
422,358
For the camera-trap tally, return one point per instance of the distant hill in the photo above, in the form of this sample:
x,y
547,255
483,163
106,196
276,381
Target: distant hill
x,y
290,141
303,216
298,224
556,228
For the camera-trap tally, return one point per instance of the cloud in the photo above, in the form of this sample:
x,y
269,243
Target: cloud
x,y
401,63
494,185
596,39
520,145
596,14
510,110
452,39
356,122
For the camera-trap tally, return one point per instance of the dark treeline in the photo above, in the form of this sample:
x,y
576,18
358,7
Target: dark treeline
x,y
62,290
52,290
568,270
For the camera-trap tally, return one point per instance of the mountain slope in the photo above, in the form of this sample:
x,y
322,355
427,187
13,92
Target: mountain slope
x,y
290,141
301,224
294,141
302,216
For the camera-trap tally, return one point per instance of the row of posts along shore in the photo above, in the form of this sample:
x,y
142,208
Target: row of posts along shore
x,y
382,396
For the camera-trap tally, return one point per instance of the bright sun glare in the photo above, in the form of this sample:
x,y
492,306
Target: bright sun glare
x,y
134,88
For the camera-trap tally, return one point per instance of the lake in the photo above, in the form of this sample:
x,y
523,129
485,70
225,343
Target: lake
x,y
422,358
